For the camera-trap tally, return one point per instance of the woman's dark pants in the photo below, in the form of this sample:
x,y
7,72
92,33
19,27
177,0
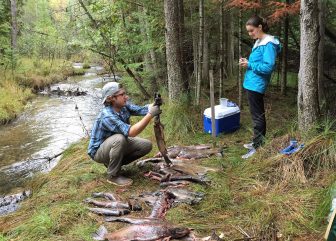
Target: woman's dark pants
x,y
257,110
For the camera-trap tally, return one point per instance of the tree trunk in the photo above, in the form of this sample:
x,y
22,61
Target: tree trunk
x,y
195,50
151,56
174,65
221,50
284,60
143,30
308,106
200,50
240,74
321,79
183,47
229,60
206,56
14,29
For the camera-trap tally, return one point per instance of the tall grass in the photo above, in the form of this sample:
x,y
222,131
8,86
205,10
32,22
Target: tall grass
x,y
30,74
12,100
37,73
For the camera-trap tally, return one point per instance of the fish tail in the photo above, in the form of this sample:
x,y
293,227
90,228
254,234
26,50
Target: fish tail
x,y
100,233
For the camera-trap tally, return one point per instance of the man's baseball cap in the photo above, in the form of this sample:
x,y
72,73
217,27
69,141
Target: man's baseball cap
x,y
110,89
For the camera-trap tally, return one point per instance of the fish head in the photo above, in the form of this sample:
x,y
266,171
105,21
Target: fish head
x,y
136,207
179,232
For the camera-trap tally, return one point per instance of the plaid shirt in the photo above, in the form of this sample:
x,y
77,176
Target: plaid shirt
x,y
110,122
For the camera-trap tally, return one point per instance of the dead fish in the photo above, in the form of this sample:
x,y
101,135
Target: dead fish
x,y
198,154
134,206
149,198
171,177
109,212
174,151
192,169
162,204
118,205
190,178
182,195
113,204
143,162
106,195
142,233
159,136
158,131
137,221
174,184
199,147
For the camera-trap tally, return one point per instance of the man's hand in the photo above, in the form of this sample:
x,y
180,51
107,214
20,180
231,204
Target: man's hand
x,y
154,110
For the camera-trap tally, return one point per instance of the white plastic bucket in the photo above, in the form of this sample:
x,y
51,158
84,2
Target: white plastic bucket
x,y
223,102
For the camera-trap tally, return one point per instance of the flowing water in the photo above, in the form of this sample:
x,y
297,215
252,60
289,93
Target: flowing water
x,y
46,128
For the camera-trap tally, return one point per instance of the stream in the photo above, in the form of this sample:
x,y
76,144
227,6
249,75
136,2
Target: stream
x,y
49,125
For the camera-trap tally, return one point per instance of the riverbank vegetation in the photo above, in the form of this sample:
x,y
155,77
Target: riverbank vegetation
x,y
30,76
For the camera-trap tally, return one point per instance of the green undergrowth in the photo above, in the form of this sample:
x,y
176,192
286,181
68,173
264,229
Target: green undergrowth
x,y
291,191
29,76
37,73
12,100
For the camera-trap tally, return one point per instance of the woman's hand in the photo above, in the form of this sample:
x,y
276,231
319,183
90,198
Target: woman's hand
x,y
243,62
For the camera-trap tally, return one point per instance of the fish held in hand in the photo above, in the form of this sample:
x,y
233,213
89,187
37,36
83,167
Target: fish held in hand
x,y
158,131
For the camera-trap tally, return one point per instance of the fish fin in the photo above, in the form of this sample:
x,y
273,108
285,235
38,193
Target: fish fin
x,y
100,233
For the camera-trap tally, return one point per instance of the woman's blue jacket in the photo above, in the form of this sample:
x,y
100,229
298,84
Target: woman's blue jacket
x,y
261,64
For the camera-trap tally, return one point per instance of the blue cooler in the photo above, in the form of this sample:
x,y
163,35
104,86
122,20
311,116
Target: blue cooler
x,y
227,119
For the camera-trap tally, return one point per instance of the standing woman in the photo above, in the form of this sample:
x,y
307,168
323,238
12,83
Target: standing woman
x,y
260,66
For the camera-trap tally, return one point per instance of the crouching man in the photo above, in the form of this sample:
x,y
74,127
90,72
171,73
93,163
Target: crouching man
x,y
113,140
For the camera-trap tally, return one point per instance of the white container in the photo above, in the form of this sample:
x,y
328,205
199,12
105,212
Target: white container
x,y
223,102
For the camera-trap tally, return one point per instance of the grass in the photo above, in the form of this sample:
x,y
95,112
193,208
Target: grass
x,y
248,194
31,75
12,100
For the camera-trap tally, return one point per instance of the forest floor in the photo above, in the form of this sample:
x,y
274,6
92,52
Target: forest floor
x,y
291,191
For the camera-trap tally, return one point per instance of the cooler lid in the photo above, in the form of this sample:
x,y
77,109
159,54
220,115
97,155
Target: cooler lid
x,y
221,112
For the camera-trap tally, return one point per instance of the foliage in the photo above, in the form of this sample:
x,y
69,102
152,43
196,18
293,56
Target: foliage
x,y
244,4
5,48
282,10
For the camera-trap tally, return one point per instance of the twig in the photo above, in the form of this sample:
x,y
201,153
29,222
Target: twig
x,y
47,157
82,122
247,236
